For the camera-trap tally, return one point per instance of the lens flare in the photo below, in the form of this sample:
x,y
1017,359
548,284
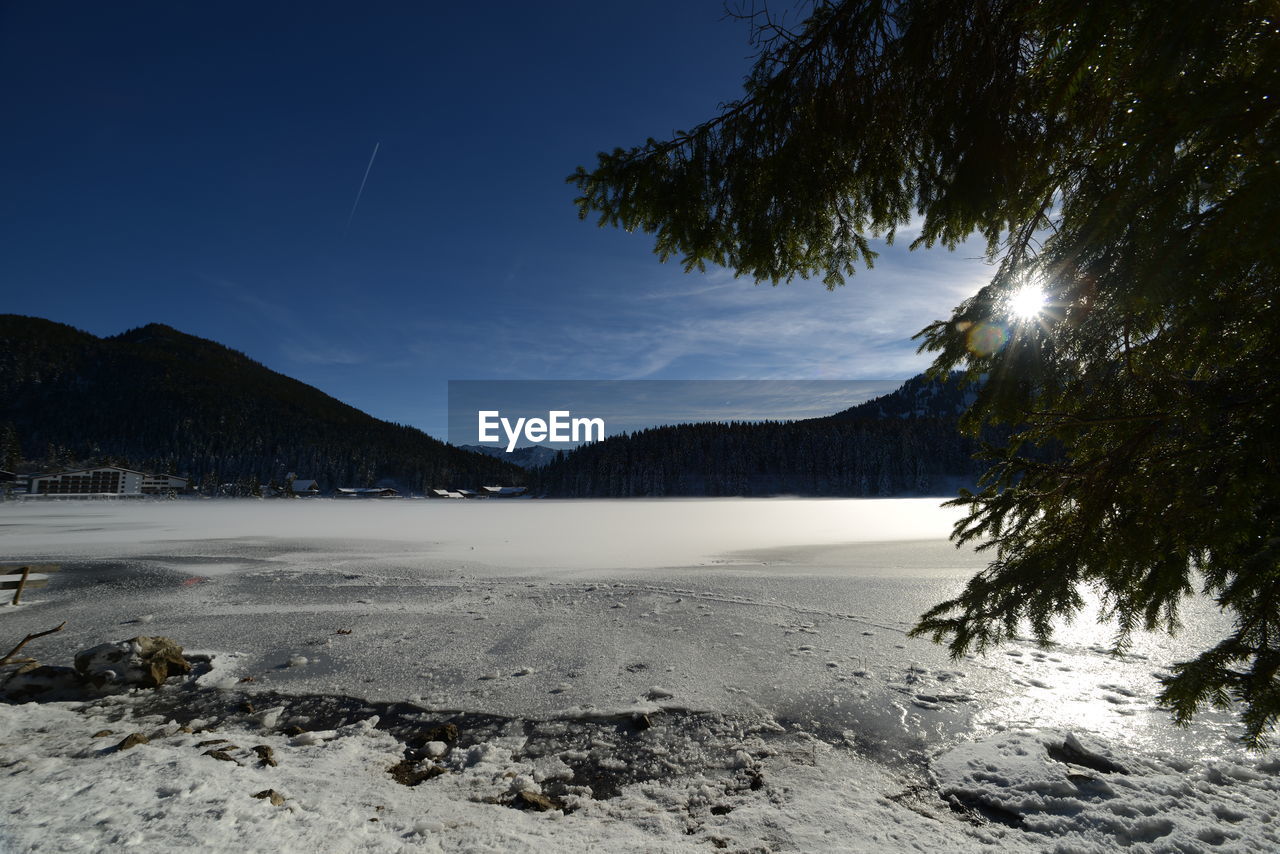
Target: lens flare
x,y
983,339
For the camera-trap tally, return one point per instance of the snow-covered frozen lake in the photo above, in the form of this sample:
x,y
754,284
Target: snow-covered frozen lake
x,y
775,628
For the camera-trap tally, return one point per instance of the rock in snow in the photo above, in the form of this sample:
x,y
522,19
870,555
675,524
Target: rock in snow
x,y
145,661
42,681
276,799
132,740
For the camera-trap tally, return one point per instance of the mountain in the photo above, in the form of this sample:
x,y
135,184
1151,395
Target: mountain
x,y
528,457
903,443
159,399
918,397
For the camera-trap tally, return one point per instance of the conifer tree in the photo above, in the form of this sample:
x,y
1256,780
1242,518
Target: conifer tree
x,y
10,448
1120,161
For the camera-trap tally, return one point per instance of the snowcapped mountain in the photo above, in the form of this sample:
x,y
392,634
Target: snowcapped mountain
x,y
529,457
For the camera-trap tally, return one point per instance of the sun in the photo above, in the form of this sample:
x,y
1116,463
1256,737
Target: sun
x,y
1027,302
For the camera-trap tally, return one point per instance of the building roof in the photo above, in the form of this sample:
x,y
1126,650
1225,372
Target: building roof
x,y
83,471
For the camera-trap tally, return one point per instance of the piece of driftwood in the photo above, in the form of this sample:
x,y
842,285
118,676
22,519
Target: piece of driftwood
x,y
9,659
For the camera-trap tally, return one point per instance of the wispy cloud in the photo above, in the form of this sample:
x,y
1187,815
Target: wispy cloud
x,y
261,309
715,326
732,329
322,355
295,337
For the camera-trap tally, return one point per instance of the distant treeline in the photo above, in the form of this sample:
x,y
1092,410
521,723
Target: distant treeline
x,y
829,457
906,442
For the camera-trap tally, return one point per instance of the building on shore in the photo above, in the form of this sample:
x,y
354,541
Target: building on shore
x,y
484,492
163,484
299,486
103,480
12,484
367,492
100,481
504,491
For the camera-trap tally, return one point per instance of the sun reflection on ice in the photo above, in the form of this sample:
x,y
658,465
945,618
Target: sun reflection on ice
x,y
1079,684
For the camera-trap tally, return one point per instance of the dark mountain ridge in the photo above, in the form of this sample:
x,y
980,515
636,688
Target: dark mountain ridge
x,y
918,397
159,399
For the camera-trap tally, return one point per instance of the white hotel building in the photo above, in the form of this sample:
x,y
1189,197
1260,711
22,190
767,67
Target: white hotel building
x,y
104,480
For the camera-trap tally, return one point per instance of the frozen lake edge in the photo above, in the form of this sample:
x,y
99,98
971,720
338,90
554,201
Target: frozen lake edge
x,y
741,612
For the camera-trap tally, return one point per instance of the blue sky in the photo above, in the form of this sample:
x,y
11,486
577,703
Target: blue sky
x,y
195,165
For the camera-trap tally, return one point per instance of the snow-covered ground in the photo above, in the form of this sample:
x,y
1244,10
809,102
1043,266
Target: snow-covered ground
x,y
623,676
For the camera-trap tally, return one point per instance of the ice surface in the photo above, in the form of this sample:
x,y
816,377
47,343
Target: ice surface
x,y
518,535
752,637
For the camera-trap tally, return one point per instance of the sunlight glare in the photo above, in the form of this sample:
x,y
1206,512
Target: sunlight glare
x,y
1026,302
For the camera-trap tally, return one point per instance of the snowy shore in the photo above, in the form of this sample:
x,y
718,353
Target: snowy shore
x,y
631,675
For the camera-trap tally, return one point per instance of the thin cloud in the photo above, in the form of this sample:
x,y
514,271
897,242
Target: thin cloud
x,y
277,314
311,355
713,326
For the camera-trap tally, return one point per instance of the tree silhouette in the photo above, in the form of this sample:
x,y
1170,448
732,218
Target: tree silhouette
x,y
1121,162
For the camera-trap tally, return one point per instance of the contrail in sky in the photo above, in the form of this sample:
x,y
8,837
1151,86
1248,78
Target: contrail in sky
x,y
360,192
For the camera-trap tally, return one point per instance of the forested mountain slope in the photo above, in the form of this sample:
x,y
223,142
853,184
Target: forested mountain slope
x,y
158,399
903,443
